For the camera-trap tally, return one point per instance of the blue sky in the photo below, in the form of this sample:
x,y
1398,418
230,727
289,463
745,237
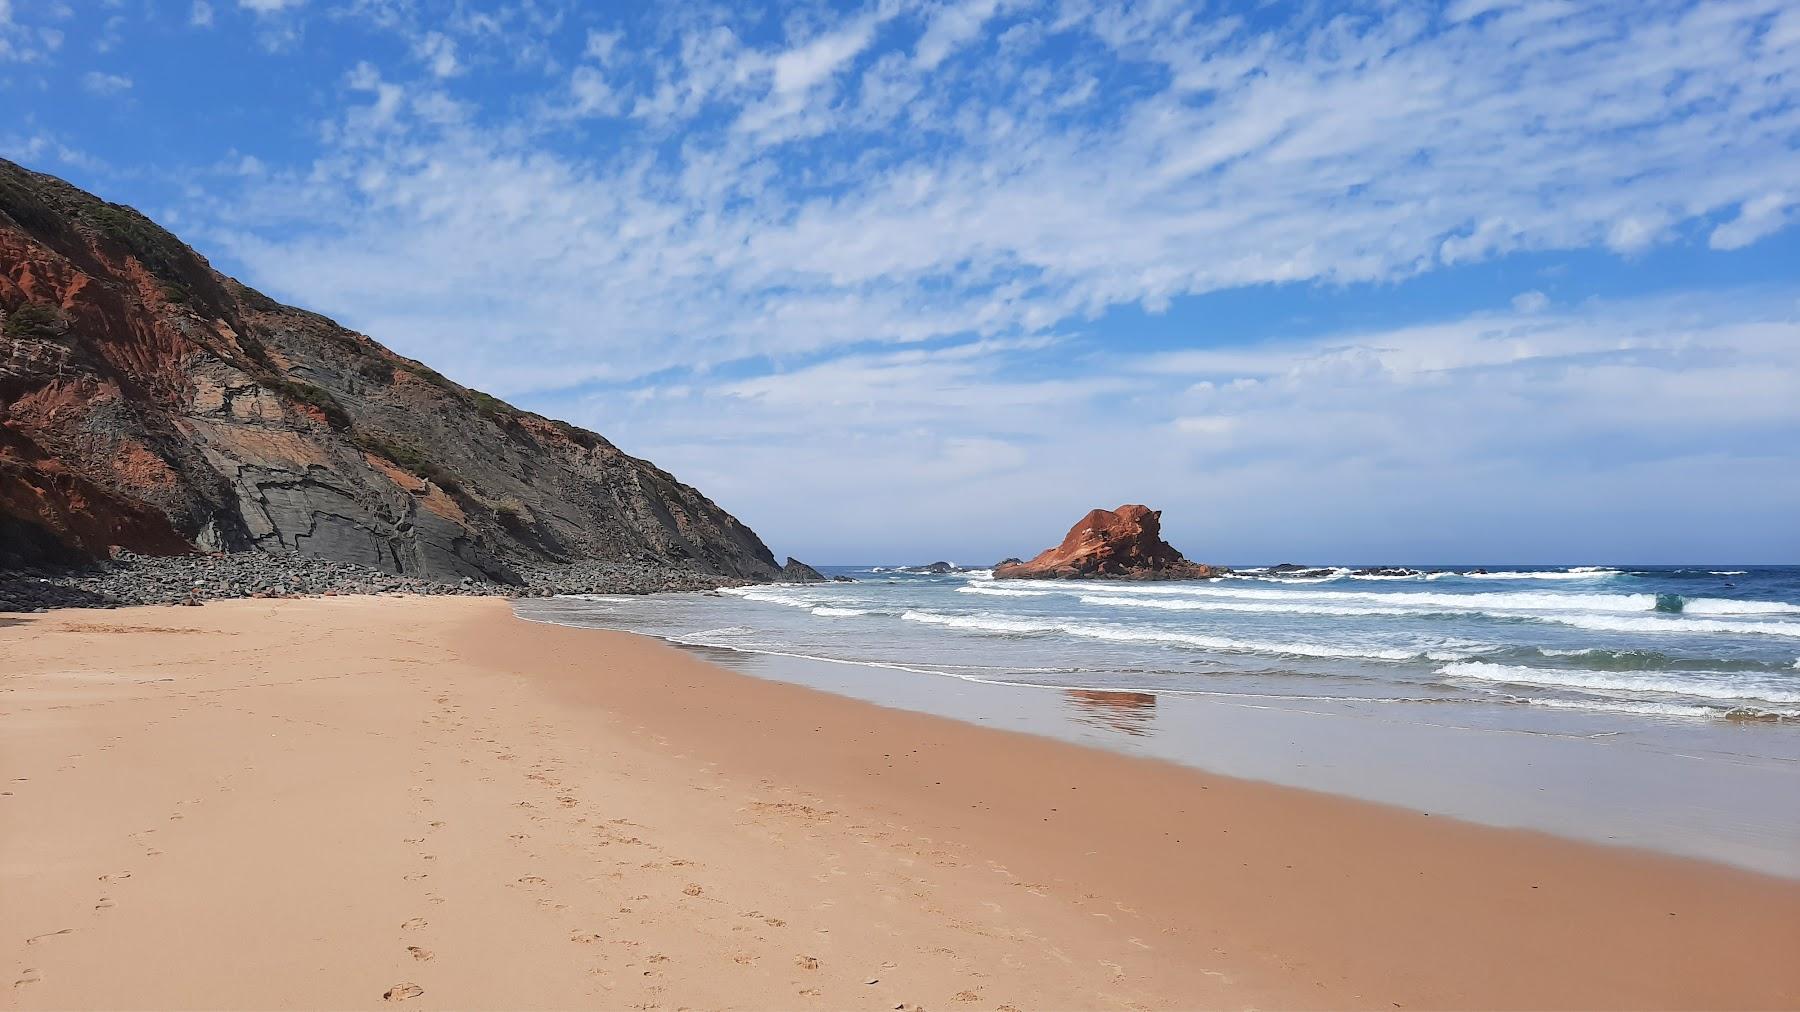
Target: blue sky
x,y
1494,280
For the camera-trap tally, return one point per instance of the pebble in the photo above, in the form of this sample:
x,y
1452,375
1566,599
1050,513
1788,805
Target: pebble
x,y
130,579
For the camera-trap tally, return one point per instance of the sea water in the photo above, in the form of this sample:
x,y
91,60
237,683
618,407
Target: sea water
x,y
1651,705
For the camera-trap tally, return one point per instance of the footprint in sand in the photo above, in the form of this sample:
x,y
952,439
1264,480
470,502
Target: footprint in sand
x,y
412,924
584,937
402,992
420,953
117,876
807,962
29,976
692,890
34,939
105,903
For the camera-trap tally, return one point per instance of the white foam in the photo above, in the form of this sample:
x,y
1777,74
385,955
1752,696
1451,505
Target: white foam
x,y
1257,607
1599,612
1129,634
1648,709
1673,624
1577,573
1503,600
1726,606
1702,685
982,588
826,611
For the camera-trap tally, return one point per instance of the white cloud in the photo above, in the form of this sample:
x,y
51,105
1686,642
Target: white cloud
x,y
98,83
590,94
806,65
1531,302
438,52
1756,218
600,45
202,15
950,27
269,6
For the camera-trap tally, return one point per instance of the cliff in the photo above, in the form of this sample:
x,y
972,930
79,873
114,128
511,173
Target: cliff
x,y
149,403
1125,543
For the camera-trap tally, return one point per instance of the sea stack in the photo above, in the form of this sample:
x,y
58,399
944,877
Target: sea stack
x,y
799,572
1121,544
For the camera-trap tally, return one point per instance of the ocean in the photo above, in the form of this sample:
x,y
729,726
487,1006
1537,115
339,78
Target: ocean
x,y
1672,642
1656,705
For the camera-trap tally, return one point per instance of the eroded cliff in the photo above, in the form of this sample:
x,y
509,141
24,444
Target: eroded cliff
x,y
148,402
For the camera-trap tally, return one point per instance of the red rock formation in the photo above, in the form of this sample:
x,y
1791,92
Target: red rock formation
x,y
1125,543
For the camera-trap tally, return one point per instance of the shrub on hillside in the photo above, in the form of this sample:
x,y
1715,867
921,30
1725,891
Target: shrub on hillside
x,y
34,320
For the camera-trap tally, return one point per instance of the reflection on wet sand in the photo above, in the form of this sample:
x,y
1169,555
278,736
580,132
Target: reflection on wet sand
x,y
1128,712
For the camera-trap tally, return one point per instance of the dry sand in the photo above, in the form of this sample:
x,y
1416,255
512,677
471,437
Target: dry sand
x,y
348,801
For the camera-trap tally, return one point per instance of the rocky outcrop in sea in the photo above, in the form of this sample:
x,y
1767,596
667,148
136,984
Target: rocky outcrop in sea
x,y
1124,544
149,403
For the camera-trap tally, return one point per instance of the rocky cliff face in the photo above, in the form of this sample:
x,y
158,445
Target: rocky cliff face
x,y
1125,543
150,403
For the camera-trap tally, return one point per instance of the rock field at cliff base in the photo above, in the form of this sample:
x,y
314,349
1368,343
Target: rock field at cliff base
x,y
140,580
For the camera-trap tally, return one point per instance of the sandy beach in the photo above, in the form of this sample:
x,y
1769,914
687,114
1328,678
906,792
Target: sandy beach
x,y
349,802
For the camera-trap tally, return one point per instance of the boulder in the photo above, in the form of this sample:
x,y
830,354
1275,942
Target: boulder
x,y
1125,543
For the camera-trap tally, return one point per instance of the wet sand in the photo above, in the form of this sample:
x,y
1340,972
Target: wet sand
x,y
348,802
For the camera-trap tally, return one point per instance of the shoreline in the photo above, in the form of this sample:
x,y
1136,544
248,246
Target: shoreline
x,y
305,744
1685,788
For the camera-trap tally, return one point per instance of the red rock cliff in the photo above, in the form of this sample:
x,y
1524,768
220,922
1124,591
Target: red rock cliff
x,y
1125,543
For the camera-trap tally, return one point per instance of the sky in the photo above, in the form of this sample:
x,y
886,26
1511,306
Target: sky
x,y
1485,281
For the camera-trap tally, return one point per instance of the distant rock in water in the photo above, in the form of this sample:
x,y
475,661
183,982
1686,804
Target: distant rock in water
x,y
799,572
930,569
1297,571
1125,543
150,403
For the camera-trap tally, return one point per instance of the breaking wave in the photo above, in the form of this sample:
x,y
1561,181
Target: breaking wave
x,y
1692,684
1125,634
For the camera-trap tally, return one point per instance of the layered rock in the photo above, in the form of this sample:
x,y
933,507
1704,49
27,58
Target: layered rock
x,y
149,403
1125,543
799,572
